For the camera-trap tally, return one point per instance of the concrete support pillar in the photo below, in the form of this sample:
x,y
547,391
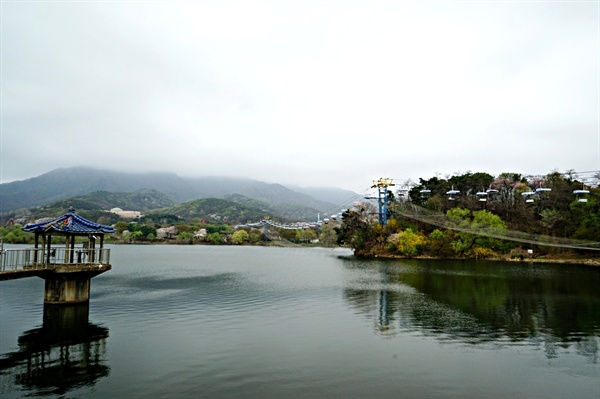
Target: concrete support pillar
x,y
66,289
69,284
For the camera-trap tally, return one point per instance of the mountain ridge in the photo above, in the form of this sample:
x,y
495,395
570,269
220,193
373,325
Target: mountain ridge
x,y
63,183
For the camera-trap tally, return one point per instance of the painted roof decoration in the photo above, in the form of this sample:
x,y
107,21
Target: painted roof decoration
x,y
69,223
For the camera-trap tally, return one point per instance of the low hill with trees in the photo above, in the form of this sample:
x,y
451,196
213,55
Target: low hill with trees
x,y
214,210
556,205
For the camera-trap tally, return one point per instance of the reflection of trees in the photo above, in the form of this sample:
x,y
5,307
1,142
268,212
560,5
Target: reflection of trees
x,y
66,353
477,303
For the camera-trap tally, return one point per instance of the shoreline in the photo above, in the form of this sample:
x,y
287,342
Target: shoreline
x,y
278,243
567,261
587,261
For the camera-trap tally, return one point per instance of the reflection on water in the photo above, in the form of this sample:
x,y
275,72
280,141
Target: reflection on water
x,y
66,353
223,322
482,303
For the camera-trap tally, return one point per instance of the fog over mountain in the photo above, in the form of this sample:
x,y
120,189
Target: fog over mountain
x,y
70,182
310,93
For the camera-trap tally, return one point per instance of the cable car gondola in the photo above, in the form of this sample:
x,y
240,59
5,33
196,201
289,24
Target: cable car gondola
x,y
540,191
452,194
403,194
581,195
491,193
529,196
482,196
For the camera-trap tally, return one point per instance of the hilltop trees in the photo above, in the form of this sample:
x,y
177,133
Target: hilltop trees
x,y
536,205
358,228
554,212
475,245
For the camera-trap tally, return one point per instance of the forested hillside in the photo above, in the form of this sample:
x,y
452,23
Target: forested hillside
x,y
555,205
213,210
141,200
76,182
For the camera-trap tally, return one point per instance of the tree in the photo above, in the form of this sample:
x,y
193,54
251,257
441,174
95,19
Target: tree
x,y
327,235
287,234
407,242
240,236
214,238
440,242
550,218
256,236
589,216
508,202
185,228
135,235
121,226
305,235
185,236
15,235
357,228
481,220
147,230
105,220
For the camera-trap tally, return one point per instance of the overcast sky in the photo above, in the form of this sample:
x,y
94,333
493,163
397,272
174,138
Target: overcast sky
x,y
313,93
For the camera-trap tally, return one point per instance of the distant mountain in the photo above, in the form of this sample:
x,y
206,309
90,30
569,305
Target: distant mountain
x,y
72,182
214,210
66,183
236,209
287,212
341,198
141,200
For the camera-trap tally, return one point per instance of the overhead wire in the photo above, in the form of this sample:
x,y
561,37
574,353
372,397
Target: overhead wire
x,y
345,204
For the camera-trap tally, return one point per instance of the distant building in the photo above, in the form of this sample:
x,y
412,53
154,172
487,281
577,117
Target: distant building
x,y
126,214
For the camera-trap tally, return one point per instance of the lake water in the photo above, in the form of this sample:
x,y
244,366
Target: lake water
x,y
222,322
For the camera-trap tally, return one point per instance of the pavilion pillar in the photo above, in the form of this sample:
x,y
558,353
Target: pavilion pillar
x,y
35,252
48,249
72,251
67,243
101,249
92,248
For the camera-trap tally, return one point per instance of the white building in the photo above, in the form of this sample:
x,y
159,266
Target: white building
x,y
126,214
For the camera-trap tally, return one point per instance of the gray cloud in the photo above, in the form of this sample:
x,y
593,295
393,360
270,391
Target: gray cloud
x,y
335,94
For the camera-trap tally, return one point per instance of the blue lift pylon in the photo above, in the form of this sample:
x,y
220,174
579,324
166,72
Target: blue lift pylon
x,y
382,200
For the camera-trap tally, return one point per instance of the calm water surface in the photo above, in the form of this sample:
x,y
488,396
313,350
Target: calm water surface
x,y
202,321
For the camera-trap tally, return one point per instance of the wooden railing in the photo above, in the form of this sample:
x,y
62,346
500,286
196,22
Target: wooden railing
x,y
41,258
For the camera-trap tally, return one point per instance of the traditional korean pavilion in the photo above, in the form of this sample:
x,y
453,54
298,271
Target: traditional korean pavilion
x,y
67,270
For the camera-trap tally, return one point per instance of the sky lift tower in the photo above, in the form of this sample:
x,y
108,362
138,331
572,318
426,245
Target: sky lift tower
x,y
382,199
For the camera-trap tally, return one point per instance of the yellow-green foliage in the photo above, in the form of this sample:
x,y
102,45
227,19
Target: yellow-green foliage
x,y
481,253
240,236
407,242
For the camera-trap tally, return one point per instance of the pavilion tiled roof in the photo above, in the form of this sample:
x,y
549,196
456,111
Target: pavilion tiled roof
x,y
69,223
